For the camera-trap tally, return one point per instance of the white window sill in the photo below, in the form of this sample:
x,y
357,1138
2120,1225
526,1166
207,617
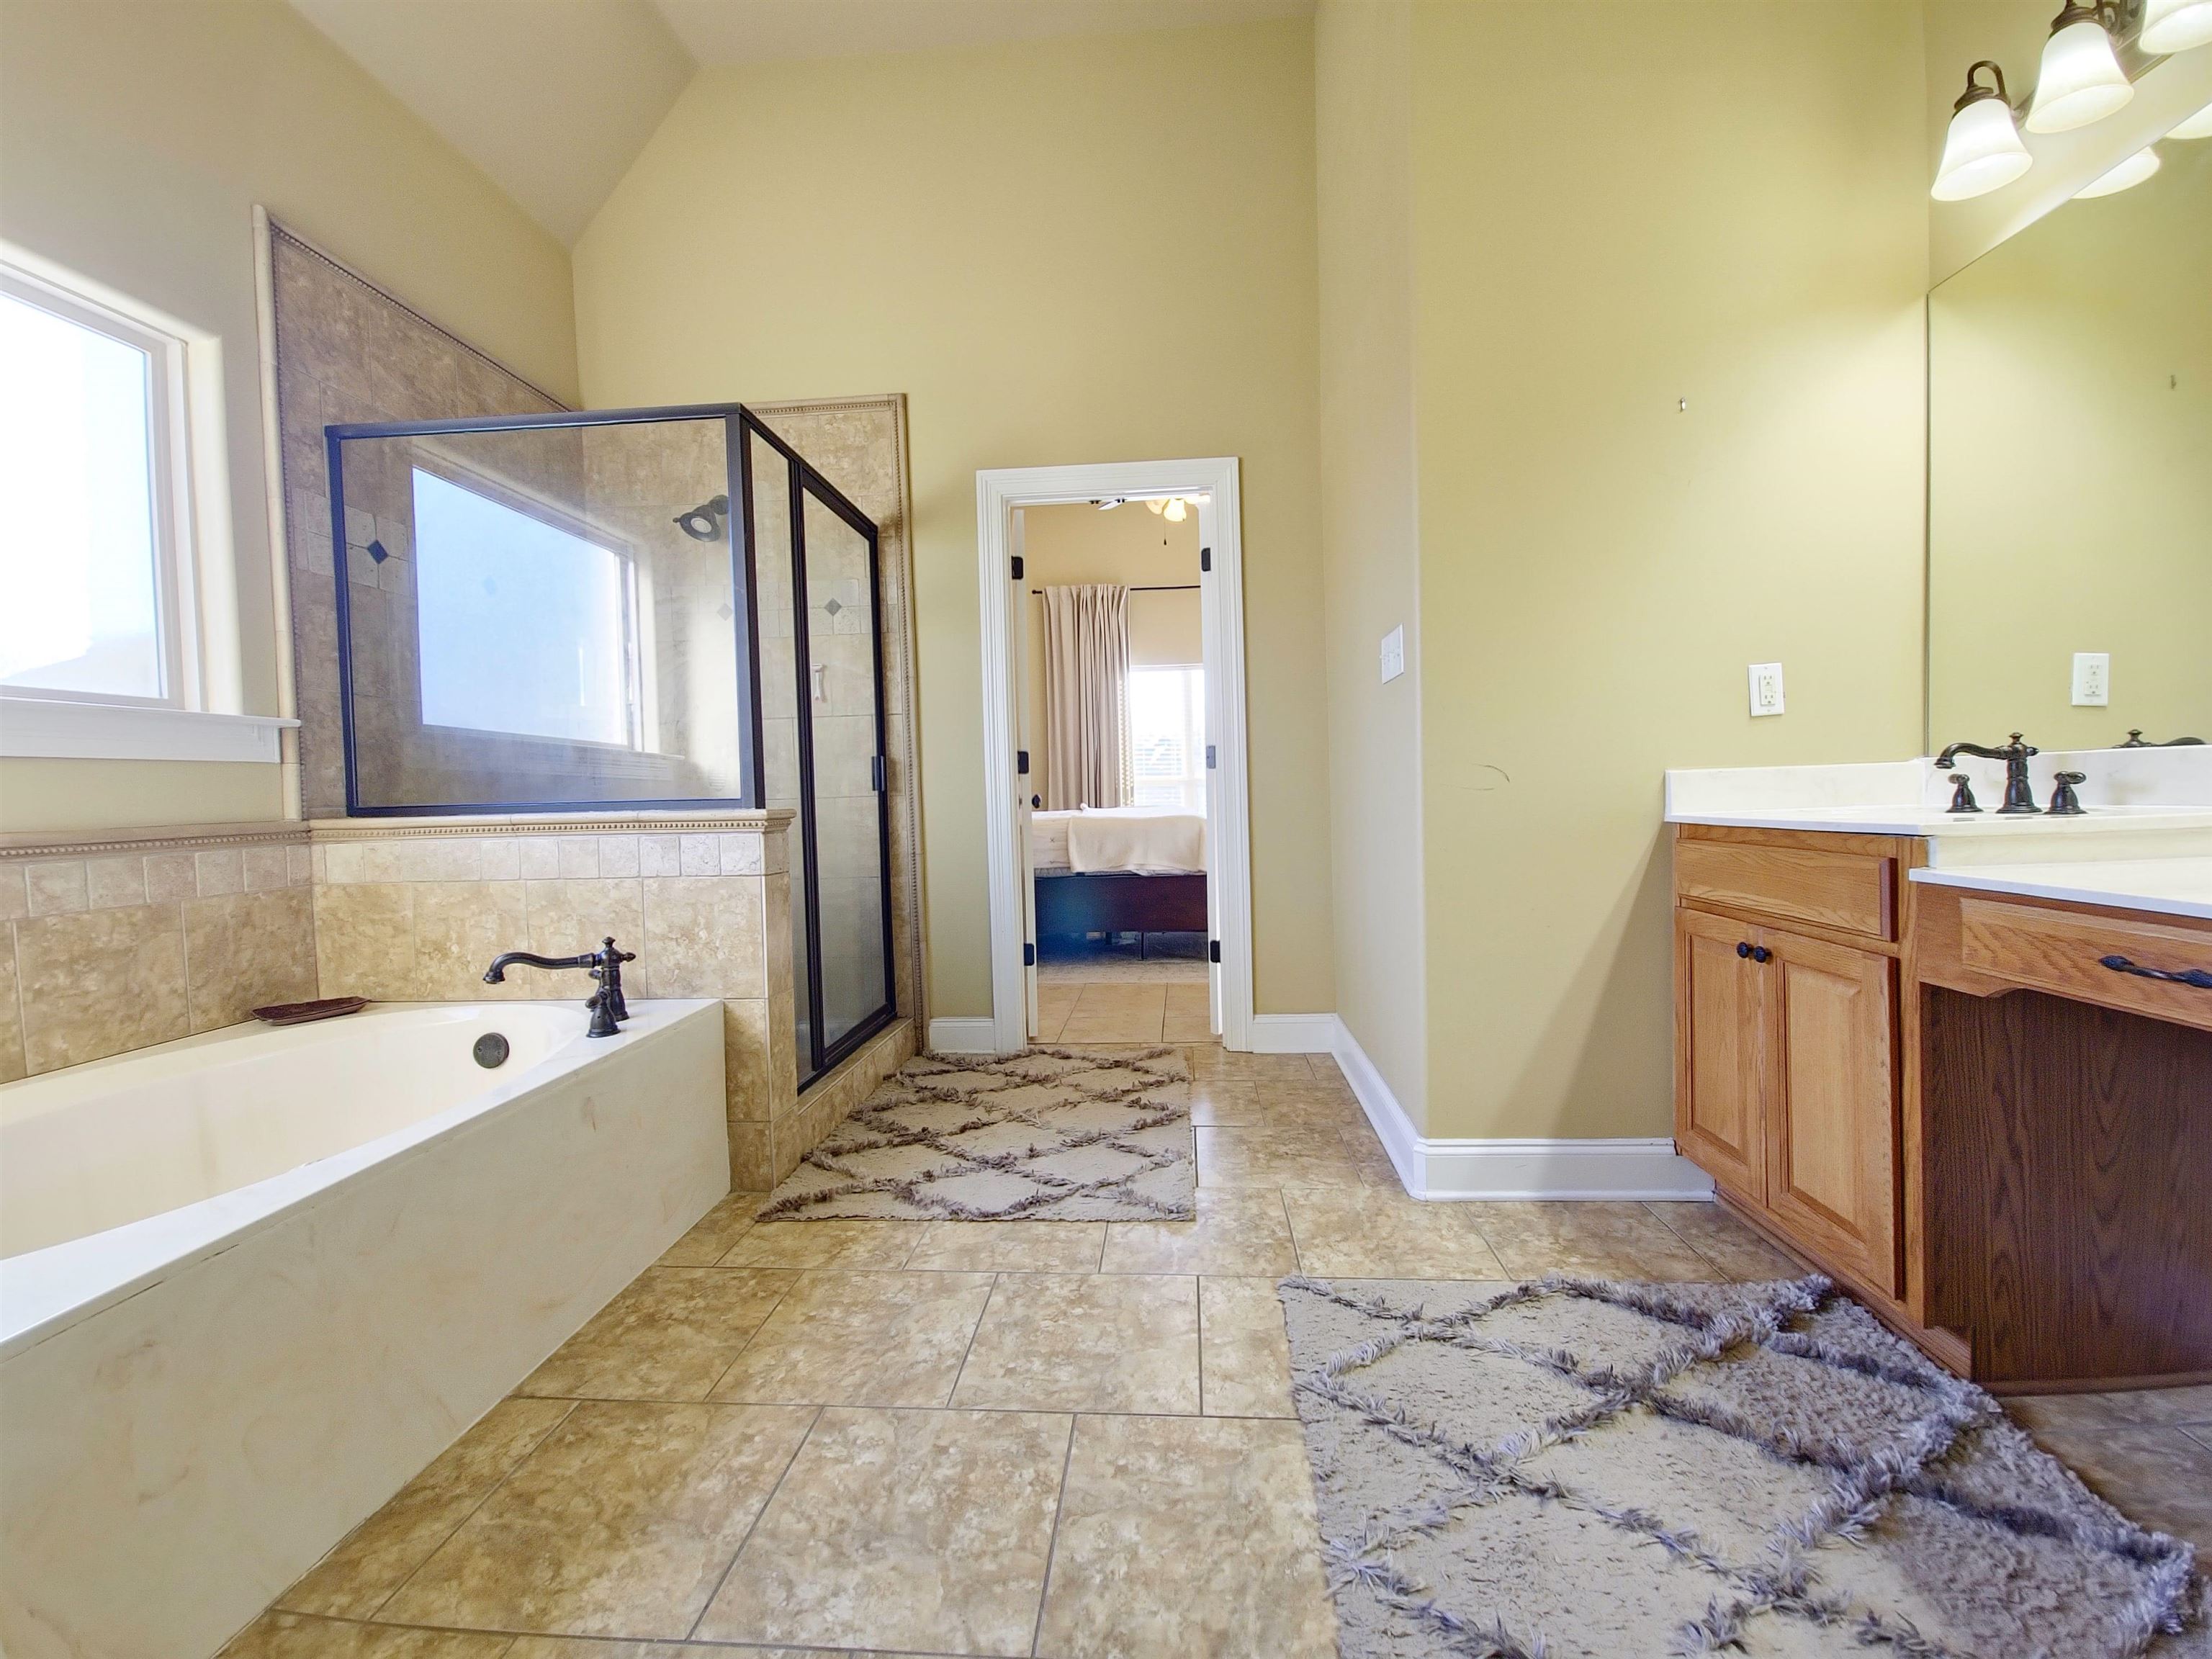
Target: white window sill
x,y
56,728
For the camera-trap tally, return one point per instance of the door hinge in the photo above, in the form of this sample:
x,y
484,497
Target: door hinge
x,y
1018,567
1206,558
876,769
1021,763
1213,950
1209,757
1029,955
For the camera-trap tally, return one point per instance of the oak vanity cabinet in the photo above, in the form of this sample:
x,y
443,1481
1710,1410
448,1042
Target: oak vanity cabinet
x,y
1786,1039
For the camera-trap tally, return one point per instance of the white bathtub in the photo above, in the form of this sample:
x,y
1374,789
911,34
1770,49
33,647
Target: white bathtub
x,y
252,1282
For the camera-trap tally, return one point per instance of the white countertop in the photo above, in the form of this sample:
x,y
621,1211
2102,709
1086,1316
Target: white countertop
x,y
2173,887
2144,842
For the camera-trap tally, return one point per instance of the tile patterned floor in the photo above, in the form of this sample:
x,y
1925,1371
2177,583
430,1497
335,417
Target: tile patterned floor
x,y
892,1438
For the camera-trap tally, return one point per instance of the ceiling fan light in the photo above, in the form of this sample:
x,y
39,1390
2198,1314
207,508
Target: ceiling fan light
x,y
2081,79
2171,25
1154,505
2126,176
2198,125
1175,512
1982,152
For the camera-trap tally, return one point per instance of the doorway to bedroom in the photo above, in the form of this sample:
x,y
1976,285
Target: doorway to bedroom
x,y
1112,720
1115,763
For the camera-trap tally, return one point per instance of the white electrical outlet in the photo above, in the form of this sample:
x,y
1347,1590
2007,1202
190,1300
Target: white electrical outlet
x,y
1765,688
1394,653
2092,679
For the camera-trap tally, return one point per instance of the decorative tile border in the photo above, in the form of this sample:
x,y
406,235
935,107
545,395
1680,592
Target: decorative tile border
x,y
69,844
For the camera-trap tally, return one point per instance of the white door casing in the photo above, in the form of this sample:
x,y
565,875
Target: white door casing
x,y
1221,604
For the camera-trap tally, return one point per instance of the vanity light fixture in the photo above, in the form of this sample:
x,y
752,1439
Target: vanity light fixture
x,y
2081,79
2130,173
2198,125
1982,151
2172,25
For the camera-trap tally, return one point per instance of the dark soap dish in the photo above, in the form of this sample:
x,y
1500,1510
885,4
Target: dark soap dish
x,y
300,1013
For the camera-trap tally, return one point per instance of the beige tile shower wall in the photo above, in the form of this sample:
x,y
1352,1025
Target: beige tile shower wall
x,y
415,910
123,943
837,1093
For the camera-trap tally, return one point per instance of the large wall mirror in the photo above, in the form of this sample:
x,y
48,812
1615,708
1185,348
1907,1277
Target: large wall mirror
x,y
2070,470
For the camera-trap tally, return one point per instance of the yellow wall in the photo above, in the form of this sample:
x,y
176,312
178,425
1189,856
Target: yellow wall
x,y
134,140
2070,435
1370,535
1616,207
956,225
1130,545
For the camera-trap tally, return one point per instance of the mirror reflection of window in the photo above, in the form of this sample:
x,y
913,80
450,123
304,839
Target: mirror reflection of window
x,y
1167,737
526,626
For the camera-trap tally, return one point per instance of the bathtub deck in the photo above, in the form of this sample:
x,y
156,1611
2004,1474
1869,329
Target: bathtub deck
x,y
1071,1439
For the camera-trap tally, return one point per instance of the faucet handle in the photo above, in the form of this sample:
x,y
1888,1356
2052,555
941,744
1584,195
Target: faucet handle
x,y
1962,795
2064,803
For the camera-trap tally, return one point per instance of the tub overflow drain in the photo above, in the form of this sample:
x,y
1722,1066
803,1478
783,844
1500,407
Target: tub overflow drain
x,y
491,1050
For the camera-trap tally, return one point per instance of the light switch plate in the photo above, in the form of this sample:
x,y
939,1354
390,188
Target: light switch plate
x,y
1394,653
2092,679
1765,688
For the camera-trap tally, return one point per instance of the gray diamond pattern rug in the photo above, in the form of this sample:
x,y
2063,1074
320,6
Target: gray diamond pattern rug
x,y
1049,1134
1574,1467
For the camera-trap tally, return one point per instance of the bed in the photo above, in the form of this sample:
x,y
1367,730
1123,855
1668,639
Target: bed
x,y
1119,870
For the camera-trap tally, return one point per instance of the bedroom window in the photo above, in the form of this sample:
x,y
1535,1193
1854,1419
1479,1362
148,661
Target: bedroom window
x,y
1167,737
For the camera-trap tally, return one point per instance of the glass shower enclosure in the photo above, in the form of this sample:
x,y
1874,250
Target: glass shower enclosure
x,y
619,611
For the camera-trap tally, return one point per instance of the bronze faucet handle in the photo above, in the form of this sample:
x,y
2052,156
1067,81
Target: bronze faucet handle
x,y
1962,795
2064,803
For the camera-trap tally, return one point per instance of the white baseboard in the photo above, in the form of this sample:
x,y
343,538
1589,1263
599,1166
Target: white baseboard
x,y
963,1036
1625,1168
1294,1034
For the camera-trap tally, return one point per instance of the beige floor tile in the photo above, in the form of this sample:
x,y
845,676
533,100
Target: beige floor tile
x,y
710,1239
1239,1229
1009,1247
288,1636
1064,1342
1272,1068
354,1579
1216,1100
1372,1233
1117,1014
2190,1405
668,1335
1211,1060
1599,1240
864,1339
620,1524
2158,1476
1187,1538
1734,1247
849,1244
923,1530
1054,1004
1188,1015
1294,1156
1365,1149
1243,1356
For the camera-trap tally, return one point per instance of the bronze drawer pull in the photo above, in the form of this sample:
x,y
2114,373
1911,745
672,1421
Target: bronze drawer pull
x,y
2199,977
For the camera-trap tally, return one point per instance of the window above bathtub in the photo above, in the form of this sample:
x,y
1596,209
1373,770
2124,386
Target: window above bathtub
x,y
117,640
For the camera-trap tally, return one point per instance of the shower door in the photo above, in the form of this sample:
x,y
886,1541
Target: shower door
x,y
816,558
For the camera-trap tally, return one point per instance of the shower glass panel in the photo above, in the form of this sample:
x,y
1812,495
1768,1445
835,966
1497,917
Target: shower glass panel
x,y
546,615
662,608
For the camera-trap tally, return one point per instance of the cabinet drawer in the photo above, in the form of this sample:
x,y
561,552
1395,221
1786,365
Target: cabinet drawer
x,y
1853,892
2063,952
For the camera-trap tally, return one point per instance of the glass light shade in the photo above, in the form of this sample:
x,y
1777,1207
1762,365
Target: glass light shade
x,y
2198,125
2130,173
2170,25
1175,512
1981,153
2081,79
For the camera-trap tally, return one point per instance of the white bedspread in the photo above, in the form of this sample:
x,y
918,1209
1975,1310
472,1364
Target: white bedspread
x,y
1149,841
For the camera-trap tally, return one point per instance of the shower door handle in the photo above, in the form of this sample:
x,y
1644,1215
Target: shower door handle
x,y
875,771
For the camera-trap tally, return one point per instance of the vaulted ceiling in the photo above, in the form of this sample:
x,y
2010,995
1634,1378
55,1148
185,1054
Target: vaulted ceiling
x,y
554,99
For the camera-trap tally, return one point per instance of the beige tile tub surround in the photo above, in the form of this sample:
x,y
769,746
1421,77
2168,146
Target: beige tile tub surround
x,y
414,909
129,938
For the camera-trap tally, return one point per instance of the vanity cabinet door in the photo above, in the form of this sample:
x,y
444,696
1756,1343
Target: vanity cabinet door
x,y
1718,1123
1831,1095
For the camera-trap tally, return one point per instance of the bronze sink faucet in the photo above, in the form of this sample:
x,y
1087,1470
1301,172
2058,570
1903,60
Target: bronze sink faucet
x,y
607,1005
2019,796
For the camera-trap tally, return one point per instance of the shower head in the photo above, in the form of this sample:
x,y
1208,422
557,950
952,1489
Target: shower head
x,y
703,523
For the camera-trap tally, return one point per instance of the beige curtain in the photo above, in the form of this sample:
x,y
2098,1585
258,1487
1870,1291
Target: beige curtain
x,y
1086,703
